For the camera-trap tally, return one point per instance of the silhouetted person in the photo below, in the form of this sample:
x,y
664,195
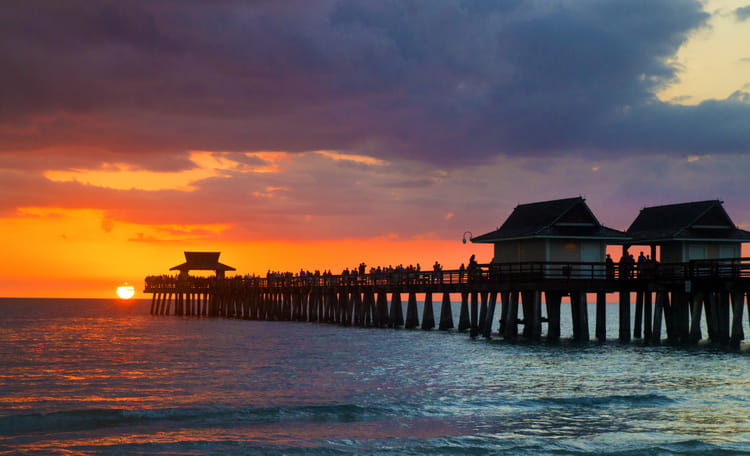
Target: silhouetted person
x,y
610,267
626,266
473,268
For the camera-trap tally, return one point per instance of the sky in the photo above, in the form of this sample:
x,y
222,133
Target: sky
x,y
317,135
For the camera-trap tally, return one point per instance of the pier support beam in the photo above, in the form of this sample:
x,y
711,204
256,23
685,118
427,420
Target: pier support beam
x,y
396,319
428,316
553,300
637,323
601,316
412,315
383,318
624,316
487,325
446,313
680,309
647,314
474,317
463,318
369,308
696,305
723,312
580,315
482,313
662,300
738,298
510,320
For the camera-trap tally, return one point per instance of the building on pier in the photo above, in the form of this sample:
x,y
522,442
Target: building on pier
x,y
700,230
202,261
563,230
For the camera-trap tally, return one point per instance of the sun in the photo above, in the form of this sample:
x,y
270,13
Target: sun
x,y
125,291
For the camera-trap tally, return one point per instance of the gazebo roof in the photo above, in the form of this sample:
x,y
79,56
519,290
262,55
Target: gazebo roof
x,y
699,220
202,261
568,218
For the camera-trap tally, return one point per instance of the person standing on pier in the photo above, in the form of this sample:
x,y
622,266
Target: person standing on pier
x,y
473,267
610,267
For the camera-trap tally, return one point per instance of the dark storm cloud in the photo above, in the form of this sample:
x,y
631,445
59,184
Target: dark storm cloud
x,y
447,81
742,13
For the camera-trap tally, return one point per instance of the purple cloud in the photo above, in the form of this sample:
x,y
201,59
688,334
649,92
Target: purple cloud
x,y
447,81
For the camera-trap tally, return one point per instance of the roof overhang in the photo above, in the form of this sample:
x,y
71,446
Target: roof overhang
x,y
541,236
673,240
202,267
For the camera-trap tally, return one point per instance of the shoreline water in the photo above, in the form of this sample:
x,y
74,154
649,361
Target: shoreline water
x,y
92,377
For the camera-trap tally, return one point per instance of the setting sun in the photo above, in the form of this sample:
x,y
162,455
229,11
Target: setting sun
x,y
125,291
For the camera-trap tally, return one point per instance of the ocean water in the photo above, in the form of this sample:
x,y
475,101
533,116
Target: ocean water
x,y
87,377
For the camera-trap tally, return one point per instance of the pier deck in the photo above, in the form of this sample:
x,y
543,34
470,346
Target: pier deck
x,y
681,295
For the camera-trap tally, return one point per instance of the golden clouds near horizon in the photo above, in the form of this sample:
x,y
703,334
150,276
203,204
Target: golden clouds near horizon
x,y
715,60
207,164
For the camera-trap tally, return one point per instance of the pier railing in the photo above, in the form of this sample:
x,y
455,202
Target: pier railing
x,y
732,268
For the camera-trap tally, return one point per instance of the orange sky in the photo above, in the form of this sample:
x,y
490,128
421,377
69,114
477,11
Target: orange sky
x,y
72,253
130,134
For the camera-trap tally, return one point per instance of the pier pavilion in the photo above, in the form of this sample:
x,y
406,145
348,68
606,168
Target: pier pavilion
x,y
557,231
685,232
202,261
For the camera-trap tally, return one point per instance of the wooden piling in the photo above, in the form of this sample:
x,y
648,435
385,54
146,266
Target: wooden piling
x,y
637,323
463,318
661,297
510,321
474,317
553,300
383,317
681,310
738,298
696,305
504,299
412,315
579,313
534,320
575,314
624,316
396,319
583,309
723,312
487,325
428,316
446,313
601,316
482,312
368,308
647,315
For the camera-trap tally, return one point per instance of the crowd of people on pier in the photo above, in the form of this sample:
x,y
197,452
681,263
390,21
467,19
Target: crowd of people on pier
x,y
360,274
629,267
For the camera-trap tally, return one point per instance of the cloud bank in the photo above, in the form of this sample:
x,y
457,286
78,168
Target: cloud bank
x,y
463,108
447,81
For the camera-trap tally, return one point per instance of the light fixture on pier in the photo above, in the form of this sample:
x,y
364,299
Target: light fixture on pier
x,y
471,236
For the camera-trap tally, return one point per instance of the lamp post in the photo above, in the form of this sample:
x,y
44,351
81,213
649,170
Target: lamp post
x,y
471,236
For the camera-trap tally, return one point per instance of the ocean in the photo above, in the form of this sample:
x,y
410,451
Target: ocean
x,y
91,377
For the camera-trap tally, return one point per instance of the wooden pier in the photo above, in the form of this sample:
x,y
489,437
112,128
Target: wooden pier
x,y
525,297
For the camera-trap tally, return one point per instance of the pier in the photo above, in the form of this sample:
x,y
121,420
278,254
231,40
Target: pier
x,y
524,297
545,253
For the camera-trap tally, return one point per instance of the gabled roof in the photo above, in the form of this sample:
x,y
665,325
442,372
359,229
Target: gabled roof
x,y
202,261
699,220
564,218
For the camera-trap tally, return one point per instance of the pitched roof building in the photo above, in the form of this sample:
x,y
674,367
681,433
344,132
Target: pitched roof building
x,y
202,261
688,231
563,230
